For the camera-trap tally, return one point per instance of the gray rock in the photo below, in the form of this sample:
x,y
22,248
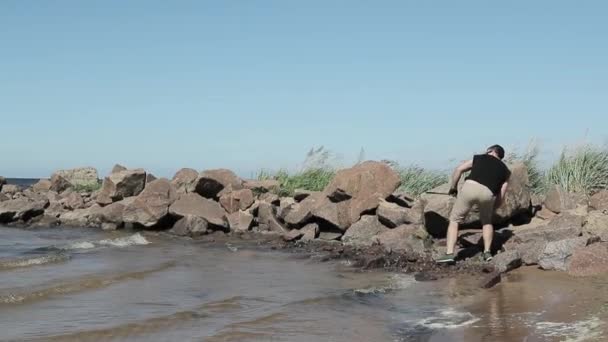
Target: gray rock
x,y
410,239
301,194
10,189
72,201
588,261
210,183
109,226
507,261
362,232
240,221
329,236
151,206
4,197
22,209
237,200
122,184
118,168
393,215
556,255
310,231
42,185
292,235
190,225
558,200
184,180
196,205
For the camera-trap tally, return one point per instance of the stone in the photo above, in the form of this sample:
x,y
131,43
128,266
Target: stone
x,y
210,183
301,194
362,232
588,261
393,215
270,198
81,217
10,189
151,206
330,236
80,177
72,201
599,201
558,200
44,221
402,199
310,231
21,209
237,200
114,213
263,186
556,255
190,225
184,180
356,191
298,214
410,239
122,184
545,214
437,207
240,221
196,205
285,205
150,178
596,224
118,168
3,197
275,226
507,261
42,185
563,226
266,212
292,235
490,280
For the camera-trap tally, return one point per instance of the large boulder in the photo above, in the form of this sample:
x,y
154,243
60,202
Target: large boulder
x,y
210,183
72,200
183,180
82,217
362,232
267,218
563,226
42,185
558,200
356,191
298,214
507,261
393,215
113,213
596,224
80,177
438,205
190,225
121,184
556,255
589,261
151,206
599,201
10,189
59,183
22,209
409,239
240,221
196,205
237,200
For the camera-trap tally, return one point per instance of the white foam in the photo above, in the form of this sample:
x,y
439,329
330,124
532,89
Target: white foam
x,y
397,282
32,261
449,319
133,240
586,330
81,245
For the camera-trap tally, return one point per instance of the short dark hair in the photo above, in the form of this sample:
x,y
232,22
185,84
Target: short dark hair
x,y
500,152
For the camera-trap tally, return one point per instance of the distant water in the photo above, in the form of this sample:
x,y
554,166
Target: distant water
x,y
23,182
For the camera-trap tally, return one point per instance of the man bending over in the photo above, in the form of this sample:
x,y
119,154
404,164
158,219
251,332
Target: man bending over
x,y
485,187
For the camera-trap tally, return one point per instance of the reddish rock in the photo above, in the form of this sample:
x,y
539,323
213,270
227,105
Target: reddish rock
x,y
409,239
184,180
152,204
558,200
596,224
122,184
393,215
599,201
190,225
42,185
237,200
310,231
72,201
292,235
362,232
196,205
589,261
22,209
210,183
240,221
59,183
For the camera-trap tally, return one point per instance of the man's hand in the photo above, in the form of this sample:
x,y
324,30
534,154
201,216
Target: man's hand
x,y
453,192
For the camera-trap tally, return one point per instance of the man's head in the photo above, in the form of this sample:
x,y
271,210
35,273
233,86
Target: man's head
x,y
496,151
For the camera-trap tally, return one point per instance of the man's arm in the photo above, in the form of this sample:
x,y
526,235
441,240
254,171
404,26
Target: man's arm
x,y
501,196
462,168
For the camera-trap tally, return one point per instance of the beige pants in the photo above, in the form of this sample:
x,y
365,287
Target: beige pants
x,y
473,193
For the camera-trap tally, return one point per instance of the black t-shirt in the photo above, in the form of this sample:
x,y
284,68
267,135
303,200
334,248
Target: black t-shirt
x,y
489,171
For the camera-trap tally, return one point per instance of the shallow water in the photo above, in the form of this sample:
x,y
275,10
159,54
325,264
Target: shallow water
x,y
67,284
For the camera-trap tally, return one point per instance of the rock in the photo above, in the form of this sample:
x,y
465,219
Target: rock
x,y
298,214
329,236
42,185
599,201
356,191
10,189
72,201
545,214
81,217
507,261
285,205
22,209
151,206
270,198
563,226
556,255
240,221
491,280
589,261
118,168
196,205
408,239
263,186
122,184
437,208
44,221
292,235
301,194
3,197
558,200
114,213
237,200
266,212
402,199
529,252
310,231
190,225
184,180
275,226
150,178
210,183
392,215
362,232
109,226
596,224
84,176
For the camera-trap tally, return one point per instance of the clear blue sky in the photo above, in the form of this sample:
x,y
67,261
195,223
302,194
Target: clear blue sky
x,y
251,84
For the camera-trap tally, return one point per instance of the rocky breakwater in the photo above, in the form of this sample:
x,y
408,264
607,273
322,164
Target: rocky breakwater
x,y
361,215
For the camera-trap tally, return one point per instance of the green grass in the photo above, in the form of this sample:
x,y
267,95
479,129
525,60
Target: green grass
x,y
87,187
416,180
313,179
582,170
536,175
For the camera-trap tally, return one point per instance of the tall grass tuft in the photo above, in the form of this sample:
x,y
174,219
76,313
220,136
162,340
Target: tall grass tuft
x,y
536,175
416,180
583,170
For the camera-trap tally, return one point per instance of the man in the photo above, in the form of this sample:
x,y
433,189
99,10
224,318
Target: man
x,y
485,187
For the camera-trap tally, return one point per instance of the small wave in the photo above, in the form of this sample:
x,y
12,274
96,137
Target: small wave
x,y
81,245
133,240
448,319
35,261
587,330
397,282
